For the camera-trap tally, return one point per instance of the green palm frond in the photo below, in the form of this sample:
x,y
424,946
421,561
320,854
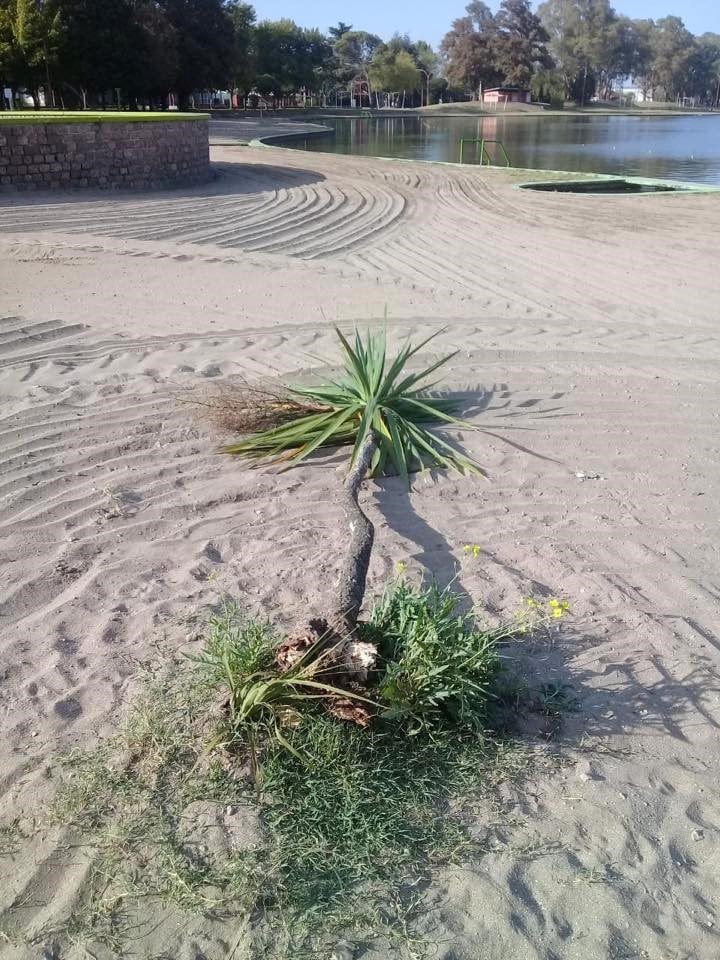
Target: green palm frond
x,y
374,394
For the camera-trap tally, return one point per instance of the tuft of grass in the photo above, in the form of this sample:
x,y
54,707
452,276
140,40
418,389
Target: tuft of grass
x,y
236,647
125,799
554,699
239,659
11,838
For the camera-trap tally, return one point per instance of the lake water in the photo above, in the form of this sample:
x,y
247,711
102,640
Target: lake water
x,y
677,148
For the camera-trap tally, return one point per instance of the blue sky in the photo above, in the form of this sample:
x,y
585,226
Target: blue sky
x,y
426,20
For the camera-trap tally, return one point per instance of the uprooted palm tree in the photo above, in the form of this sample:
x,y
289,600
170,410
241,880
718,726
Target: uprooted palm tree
x,y
378,407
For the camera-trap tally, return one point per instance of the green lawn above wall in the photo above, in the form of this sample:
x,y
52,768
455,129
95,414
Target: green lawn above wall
x,y
17,117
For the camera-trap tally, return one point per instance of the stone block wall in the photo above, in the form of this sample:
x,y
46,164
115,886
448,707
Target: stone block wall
x,y
104,155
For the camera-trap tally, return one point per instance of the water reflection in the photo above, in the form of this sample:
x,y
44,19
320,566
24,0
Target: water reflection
x,y
681,148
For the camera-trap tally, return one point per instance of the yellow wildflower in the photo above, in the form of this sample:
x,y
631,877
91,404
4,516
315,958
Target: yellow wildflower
x,y
558,607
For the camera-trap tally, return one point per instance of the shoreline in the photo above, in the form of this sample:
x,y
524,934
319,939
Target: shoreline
x,y
444,112
273,133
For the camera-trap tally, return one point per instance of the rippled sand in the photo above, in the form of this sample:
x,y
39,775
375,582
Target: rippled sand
x,y
587,327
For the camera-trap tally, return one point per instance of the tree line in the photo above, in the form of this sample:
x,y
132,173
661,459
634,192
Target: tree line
x,y
118,52
136,52
579,49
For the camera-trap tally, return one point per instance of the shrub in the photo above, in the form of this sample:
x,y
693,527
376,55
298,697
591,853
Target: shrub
x,y
438,665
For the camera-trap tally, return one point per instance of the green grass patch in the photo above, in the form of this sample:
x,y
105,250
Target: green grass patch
x,y
366,815
351,819
21,118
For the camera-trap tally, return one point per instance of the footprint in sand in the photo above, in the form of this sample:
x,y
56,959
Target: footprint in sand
x,y
69,708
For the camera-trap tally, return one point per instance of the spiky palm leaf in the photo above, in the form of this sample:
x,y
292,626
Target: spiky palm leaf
x,y
374,395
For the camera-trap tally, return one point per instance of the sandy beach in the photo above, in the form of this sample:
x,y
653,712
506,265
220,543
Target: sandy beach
x,y
589,327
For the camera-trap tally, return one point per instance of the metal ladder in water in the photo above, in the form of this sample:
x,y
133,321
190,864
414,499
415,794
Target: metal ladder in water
x,y
485,157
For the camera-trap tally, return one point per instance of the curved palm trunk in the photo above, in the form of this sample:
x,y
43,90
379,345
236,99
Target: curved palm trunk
x,y
353,573
350,657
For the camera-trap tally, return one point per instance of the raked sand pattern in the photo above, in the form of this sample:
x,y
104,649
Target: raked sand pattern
x,y
588,335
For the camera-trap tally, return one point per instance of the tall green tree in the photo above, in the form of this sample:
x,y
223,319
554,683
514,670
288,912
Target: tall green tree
x,y
426,57
30,38
102,47
580,40
470,49
428,64
394,71
627,54
205,39
354,52
548,86
708,55
11,58
672,47
521,43
643,73
340,30
160,59
294,57
39,35
242,65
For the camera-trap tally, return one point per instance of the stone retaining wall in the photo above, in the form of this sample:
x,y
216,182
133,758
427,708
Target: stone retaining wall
x,y
104,155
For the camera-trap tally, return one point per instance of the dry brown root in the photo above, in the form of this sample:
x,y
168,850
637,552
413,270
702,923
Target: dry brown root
x,y
317,637
359,659
243,407
339,655
349,710
340,663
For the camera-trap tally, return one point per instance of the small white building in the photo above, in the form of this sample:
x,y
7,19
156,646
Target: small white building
x,y
630,90
501,95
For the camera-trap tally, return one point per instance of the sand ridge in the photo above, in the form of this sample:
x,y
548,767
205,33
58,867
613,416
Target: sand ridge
x,y
588,339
